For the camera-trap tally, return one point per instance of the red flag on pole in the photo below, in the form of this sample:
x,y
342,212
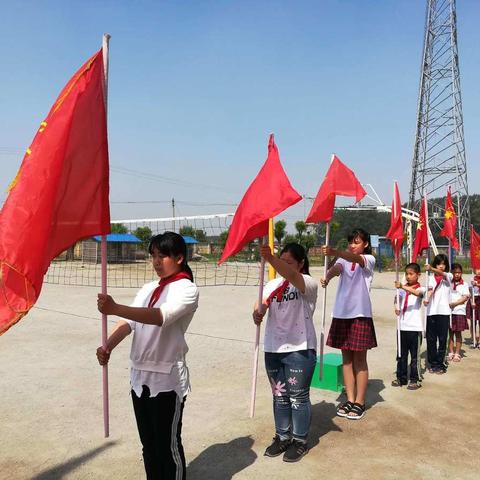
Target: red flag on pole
x,y
268,195
339,180
474,248
60,194
395,233
449,229
421,237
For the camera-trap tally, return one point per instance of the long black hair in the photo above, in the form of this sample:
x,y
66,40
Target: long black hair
x,y
298,253
441,258
364,236
171,244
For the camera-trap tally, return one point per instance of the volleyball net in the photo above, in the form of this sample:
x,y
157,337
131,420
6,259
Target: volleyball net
x,y
128,262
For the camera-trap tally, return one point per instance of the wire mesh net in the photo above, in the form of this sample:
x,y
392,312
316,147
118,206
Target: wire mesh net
x,y
128,262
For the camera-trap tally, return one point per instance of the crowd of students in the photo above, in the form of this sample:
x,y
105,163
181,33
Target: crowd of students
x,y
162,311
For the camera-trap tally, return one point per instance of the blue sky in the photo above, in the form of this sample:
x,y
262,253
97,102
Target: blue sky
x,y
195,89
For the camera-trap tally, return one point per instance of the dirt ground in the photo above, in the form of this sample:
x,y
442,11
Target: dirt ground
x,y
51,423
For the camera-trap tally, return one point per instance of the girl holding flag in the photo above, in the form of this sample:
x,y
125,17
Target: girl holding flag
x,y
438,313
352,328
290,348
159,317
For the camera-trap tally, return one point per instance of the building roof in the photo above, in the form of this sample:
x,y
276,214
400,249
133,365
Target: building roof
x,y
119,238
189,240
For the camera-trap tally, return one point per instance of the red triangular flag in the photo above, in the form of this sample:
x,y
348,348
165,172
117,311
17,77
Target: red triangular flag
x,y
421,237
339,180
395,233
268,195
474,248
449,229
60,193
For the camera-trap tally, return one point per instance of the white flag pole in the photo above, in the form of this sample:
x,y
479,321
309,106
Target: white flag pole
x,y
426,263
106,38
324,307
257,337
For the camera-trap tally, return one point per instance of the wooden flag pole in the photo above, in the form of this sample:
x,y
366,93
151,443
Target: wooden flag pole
x,y
324,307
257,337
106,429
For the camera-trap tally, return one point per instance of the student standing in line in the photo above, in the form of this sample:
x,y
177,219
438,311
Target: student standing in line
x,y
473,309
159,317
352,329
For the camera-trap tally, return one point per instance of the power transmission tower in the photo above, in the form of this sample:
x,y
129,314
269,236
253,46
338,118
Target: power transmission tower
x,y
439,153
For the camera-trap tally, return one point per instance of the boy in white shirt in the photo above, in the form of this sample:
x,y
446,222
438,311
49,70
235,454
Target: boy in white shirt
x,y
409,310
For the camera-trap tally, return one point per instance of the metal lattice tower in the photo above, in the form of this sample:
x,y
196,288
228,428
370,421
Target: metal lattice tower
x,y
439,154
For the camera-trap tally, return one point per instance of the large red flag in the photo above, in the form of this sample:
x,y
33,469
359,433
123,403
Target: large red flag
x,y
268,195
474,248
449,229
60,193
395,233
421,237
339,180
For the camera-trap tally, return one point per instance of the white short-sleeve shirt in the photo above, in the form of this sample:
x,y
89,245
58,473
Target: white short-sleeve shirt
x,y
476,290
440,301
289,325
411,319
455,295
353,292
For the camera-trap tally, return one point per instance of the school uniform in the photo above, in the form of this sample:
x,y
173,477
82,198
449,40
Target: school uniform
x,y
459,313
159,376
352,325
411,327
438,320
475,299
290,354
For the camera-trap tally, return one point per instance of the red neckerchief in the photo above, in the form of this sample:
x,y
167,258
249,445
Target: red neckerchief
x,y
352,268
163,283
477,278
438,280
278,292
457,283
405,303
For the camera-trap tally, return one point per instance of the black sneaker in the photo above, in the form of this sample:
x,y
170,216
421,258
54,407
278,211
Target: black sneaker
x,y
277,447
295,451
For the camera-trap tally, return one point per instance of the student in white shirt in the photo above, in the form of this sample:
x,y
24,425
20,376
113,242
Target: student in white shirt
x,y
352,328
290,348
159,318
458,297
411,326
473,309
438,313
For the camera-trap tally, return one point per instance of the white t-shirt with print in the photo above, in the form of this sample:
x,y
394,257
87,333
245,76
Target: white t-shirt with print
x,y
353,292
476,290
440,301
455,295
411,319
290,322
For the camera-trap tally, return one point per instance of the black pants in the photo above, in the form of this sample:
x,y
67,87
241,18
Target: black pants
x,y
437,334
409,344
159,422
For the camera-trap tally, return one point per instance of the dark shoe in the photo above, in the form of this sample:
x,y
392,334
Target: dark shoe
x,y
344,408
357,412
398,383
277,447
414,386
295,451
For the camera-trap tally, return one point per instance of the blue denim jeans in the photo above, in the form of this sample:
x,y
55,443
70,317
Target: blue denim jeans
x,y
290,375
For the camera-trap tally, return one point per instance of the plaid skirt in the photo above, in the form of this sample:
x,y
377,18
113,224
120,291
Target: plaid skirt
x,y
459,323
355,334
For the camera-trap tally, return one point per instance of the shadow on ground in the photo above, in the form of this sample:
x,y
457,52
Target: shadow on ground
x,y
323,414
222,460
58,472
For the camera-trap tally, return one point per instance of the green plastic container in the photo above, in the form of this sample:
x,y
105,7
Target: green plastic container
x,y
332,373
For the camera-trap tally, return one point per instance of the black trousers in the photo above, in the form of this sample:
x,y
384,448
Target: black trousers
x,y
409,344
437,334
159,422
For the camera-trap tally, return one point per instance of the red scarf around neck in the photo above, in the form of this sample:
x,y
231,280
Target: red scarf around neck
x,y
278,292
163,283
407,294
460,282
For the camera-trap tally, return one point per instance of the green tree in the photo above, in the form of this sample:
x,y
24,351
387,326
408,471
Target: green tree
x,y
279,230
301,228
200,235
144,234
118,228
223,238
187,231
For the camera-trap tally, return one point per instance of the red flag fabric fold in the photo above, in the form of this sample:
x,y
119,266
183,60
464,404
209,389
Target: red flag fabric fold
x,y
421,237
60,194
339,180
474,248
268,195
449,229
395,233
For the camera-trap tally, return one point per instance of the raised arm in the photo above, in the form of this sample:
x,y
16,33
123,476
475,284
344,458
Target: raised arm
x,y
148,316
414,291
345,254
429,268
